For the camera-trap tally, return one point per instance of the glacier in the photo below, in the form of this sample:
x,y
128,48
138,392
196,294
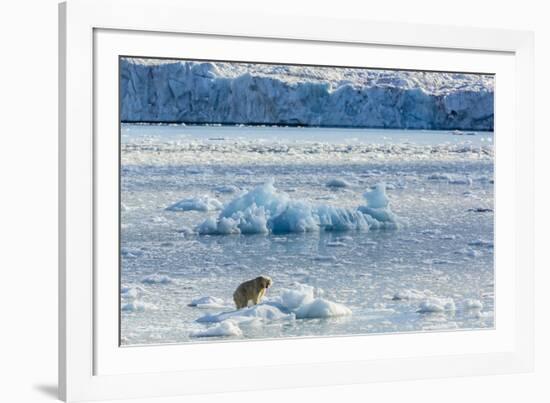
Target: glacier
x,y
192,92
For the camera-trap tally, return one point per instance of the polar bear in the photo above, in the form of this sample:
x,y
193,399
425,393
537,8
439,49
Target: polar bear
x,y
252,290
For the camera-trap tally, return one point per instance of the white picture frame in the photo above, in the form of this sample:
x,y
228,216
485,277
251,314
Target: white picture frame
x,y
91,364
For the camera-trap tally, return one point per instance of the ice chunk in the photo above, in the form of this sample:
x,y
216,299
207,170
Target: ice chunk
x,y
132,292
437,305
472,304
338,183
322,308
302,301
409,294
203,203
227,189
439,176
156,279
226,328
377,198
137,306
377,211
461,181
481,243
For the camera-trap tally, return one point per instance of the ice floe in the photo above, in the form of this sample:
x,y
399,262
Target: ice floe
x,y
301,302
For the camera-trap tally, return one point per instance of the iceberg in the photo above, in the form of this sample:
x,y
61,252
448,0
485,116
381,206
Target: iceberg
x,y
168,91
265,209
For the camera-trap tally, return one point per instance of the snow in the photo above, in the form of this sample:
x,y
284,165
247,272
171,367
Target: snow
x,y
204,203
224,329
240,93
265,209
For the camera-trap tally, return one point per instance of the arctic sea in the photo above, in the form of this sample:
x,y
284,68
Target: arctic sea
x,y
192,229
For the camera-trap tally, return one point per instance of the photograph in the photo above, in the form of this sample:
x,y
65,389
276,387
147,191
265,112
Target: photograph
x,y
262,200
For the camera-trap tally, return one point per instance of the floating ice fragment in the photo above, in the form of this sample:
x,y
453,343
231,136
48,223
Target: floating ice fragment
x,y
137,306
410,294
132,292
461,181
156,279
482,243
208,302
204,203
437,305
337,183
226,189
439,176
472,304
223,329
480,210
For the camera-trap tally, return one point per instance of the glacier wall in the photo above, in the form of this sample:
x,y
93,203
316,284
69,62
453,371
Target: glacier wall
x,y
239,93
